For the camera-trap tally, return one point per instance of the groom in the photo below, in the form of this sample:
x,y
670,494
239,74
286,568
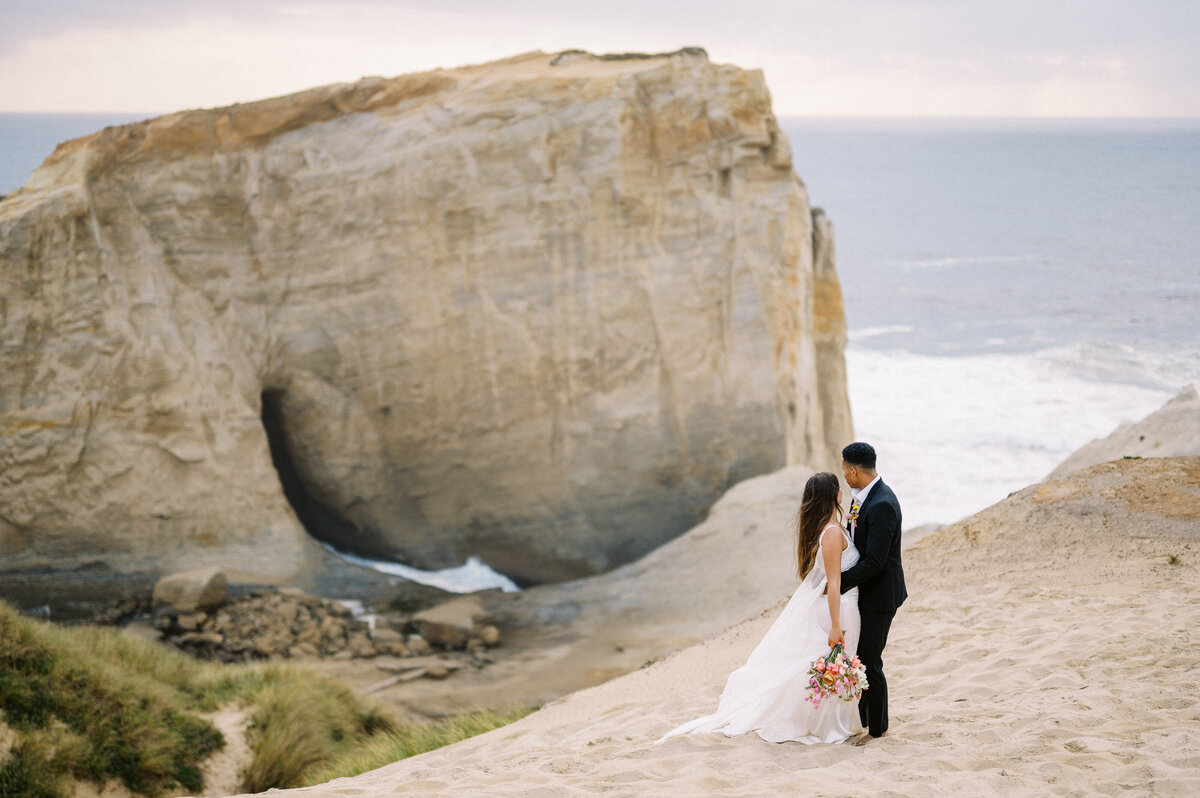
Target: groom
x,y
874,527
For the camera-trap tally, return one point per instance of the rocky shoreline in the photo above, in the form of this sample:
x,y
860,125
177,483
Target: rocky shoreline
x,y
286,623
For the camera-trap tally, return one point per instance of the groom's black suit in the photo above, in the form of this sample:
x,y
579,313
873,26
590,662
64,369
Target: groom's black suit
x,y
880,582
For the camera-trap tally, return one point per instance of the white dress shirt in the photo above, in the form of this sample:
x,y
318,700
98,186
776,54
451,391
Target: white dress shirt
x,y
859,497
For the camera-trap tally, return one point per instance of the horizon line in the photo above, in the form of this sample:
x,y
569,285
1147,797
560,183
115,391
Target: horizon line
x,y
865,116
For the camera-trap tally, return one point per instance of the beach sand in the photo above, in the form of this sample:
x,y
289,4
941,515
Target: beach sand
x,y
1049,646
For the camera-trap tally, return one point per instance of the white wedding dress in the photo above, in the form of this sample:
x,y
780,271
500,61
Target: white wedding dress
x,y
766,694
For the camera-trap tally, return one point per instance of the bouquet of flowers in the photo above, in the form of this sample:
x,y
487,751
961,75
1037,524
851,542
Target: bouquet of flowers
x,y
836,676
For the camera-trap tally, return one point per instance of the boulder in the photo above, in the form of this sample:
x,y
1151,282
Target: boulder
x,y
189,591
191,622
359,645
418,645
332,628
452,624
388,641
544,311
304,650
266,647
437,672
287,611
490,635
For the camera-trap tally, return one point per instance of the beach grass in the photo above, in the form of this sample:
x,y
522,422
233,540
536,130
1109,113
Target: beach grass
x,y
91,704
94,704
299,725
410,739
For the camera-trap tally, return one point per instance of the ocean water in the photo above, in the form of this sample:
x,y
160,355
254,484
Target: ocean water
x,y
1013,288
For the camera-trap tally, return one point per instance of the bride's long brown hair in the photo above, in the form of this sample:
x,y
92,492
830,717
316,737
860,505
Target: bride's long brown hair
x,y
816,508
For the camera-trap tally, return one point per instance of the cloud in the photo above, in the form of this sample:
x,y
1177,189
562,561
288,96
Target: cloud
x,y
866,57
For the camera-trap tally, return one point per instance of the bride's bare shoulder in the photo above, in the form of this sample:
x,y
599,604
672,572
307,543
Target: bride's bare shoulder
x,y
838,538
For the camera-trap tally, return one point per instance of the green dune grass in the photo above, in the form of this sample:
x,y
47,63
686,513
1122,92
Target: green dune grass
x,y
92,704
410,739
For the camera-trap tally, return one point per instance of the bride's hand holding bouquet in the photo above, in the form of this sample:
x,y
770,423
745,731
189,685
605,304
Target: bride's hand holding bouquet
x,y
836,675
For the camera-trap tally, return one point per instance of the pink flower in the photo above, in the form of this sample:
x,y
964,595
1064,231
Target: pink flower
x,y
821,665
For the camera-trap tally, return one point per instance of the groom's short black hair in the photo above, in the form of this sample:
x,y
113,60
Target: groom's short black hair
x,y
860,454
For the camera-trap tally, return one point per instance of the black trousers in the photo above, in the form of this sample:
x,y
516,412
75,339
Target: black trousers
x,y
872,707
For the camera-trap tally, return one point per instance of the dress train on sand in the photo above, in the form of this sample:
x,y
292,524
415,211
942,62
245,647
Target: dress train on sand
x,y
767,694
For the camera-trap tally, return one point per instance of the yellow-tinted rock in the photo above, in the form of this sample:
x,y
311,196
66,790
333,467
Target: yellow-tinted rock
x,y
544,310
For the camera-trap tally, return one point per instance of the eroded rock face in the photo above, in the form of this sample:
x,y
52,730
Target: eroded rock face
x,y
544,310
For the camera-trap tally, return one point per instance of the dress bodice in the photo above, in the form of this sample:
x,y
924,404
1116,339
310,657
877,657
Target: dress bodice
x,y
849,556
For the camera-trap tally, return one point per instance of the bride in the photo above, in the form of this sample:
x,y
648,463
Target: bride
x,y
767,694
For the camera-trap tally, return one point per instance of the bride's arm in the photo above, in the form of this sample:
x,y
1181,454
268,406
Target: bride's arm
x,y
832,546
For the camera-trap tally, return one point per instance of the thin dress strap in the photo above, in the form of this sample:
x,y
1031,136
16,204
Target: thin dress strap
x,y
840,528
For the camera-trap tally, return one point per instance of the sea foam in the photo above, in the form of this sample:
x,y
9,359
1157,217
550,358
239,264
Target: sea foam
x,y
957,434
469,577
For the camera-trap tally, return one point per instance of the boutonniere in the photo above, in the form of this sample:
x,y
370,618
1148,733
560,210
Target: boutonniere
x,y
853,516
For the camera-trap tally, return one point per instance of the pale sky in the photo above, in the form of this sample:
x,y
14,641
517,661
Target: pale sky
x,y
1099,58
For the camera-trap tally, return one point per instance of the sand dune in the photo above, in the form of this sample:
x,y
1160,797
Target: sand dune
x,y
1171,431
1049,646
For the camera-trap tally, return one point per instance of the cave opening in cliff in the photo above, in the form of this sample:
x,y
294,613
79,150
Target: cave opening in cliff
x,y
320,520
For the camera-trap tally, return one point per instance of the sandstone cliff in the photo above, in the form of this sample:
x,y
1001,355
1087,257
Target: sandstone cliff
x,y
545,310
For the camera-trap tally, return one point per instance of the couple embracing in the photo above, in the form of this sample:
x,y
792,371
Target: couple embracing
x,y
852,584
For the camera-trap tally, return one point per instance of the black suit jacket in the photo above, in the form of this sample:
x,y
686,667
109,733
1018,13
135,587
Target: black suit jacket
x,y
878,574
